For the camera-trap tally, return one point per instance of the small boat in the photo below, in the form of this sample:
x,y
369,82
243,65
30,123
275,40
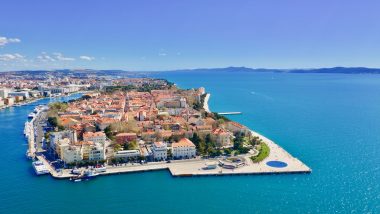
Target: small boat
x,y
88,174
101,169
31,115
76,171
40,168
28,156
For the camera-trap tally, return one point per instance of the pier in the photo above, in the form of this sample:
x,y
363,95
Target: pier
x,y
230,113
34,134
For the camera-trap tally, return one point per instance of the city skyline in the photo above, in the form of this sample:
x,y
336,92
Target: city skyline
x,y
167,35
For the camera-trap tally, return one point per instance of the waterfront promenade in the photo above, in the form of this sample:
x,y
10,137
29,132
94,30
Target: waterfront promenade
x,y
196,167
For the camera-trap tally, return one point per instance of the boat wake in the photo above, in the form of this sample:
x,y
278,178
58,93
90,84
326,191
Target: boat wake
x,y
262,96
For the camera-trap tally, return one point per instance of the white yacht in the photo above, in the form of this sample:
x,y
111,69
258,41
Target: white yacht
x,y
31,115
101,169
40,168
88,174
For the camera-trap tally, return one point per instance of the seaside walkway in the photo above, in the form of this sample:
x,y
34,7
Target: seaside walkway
x,y
230,113
195,167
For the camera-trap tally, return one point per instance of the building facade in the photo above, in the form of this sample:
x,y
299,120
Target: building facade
x,y
160,151
183,149
96,137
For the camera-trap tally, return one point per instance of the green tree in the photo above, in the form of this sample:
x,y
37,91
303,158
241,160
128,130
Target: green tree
x,y
117,147
108,132
196,140
132,145
227,151
53,121
202,148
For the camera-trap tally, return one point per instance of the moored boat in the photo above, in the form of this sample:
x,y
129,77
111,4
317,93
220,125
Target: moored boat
x,y
31,115
40,168
91,173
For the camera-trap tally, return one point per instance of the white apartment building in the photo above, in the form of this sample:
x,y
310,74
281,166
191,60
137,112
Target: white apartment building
x,y
56,136
184,149
19,93
96,137
97,152
4,92
72,154
128,154
160,151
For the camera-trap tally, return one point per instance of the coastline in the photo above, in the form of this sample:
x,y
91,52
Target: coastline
x,y
205,103
196,167
26,102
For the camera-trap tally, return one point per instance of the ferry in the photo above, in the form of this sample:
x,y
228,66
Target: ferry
x,y
40,168
87,175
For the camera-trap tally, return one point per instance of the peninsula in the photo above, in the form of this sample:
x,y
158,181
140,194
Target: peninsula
x,y
143,124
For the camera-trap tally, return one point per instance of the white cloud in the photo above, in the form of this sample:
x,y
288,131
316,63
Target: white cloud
x,y
5,40
162,52
88,58
11,57
45,57
54,57
60,57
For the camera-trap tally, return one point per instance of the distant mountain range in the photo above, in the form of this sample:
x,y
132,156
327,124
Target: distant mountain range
x,y
340,70
122,73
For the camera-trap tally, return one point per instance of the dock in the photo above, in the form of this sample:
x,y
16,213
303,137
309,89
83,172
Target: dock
x,y
230,113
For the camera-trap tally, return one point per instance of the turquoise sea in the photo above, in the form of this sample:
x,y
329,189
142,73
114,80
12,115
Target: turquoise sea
x,y
329,121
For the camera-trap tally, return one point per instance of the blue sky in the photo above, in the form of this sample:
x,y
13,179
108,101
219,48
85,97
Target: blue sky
x,y
164,35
